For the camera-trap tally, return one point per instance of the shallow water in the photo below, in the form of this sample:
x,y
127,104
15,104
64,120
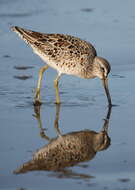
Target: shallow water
x,y
110,27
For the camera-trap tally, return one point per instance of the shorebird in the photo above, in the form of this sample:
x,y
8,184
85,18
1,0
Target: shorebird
x,y
68,55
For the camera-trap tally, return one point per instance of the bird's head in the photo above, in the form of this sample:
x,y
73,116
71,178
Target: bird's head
x,y
101,69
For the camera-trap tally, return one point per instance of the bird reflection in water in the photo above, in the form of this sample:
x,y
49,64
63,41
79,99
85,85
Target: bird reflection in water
x,y
67,150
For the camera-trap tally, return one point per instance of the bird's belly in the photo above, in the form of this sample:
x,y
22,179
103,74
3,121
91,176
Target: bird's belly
x,y
67,68
71,70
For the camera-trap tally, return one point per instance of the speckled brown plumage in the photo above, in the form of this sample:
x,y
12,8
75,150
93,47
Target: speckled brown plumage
x,y
69,149
67,54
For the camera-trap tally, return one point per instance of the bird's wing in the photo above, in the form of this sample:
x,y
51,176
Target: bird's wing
x,y
56,46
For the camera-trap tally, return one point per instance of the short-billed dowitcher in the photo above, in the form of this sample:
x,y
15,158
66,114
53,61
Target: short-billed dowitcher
x,y
68,55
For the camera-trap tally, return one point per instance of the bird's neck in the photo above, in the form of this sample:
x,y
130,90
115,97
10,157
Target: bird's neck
x,y
90,71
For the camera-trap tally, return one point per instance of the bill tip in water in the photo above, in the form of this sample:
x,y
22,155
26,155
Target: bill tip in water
x,y
113,105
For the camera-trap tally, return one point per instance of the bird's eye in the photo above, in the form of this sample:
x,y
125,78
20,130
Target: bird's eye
x,y
102,68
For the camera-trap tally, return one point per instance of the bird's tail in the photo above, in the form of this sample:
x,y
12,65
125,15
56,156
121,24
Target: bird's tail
x,y
28,36
26,167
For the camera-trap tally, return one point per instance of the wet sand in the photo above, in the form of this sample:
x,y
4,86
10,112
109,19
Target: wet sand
x,y
110,27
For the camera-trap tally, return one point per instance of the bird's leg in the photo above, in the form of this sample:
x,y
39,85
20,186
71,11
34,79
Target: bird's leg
x,y
37,99
56,122
57,89
38,117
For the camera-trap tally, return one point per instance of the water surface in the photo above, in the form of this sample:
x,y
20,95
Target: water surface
x,y
110,27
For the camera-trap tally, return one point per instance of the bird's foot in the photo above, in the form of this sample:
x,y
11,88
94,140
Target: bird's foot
x,y
37,99
57,102
37,102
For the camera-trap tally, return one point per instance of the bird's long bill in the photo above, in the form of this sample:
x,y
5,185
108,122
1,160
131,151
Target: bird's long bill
x,y
105,84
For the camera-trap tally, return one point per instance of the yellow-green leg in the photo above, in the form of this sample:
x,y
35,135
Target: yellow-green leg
x,y
56,122
56,81
37,99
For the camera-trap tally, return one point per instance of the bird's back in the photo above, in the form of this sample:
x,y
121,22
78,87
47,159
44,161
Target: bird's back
x,y
64,53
